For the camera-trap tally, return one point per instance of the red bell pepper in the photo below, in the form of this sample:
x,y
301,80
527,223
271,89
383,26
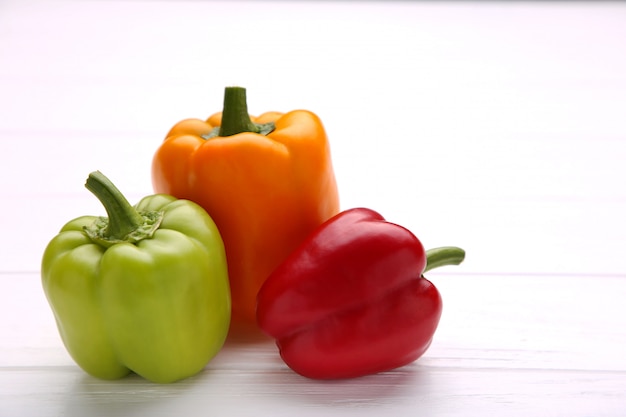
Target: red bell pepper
x,y
351,300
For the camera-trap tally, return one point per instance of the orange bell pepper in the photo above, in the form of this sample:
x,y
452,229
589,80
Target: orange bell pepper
x,y
266,181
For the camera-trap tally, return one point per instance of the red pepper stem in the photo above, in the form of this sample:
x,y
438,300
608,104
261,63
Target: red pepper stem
x,y
447,255
235,117
123,218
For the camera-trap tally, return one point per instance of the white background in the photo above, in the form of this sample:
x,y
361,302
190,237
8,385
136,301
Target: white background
x,y
499,127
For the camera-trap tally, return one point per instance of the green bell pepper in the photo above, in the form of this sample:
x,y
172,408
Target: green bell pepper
x,y
144,290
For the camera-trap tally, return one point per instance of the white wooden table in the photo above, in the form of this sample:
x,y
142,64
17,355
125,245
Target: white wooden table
x,y
498,127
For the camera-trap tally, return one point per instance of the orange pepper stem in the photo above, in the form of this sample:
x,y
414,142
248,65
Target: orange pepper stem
x,y
235,117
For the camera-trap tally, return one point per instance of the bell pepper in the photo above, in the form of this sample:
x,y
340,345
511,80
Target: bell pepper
x,y
143,290
351,300
266,181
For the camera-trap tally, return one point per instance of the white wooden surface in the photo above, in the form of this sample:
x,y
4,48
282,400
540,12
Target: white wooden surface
x,y
499,127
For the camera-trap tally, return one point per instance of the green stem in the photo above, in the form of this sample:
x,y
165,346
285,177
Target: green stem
x,y
235,117
123,218
447,255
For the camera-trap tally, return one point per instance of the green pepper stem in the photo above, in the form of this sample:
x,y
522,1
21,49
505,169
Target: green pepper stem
x,y
235,117
447,255
123,218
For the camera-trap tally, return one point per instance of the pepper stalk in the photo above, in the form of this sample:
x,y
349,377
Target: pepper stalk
x,y
124,223
235,117
446,255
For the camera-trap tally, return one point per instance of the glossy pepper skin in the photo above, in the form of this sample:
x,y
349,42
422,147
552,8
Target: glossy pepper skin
x,y
144,290
266,189
351,300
